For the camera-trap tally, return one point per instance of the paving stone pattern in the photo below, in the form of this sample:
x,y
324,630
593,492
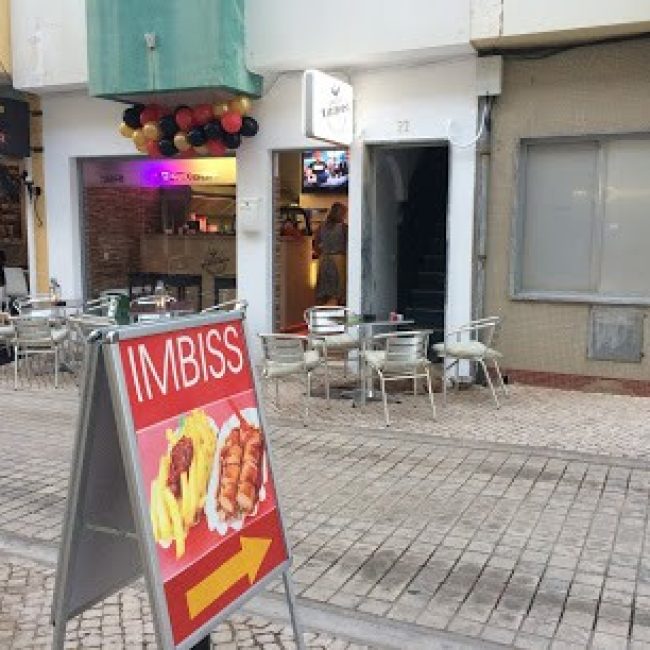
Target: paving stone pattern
x,y
507,546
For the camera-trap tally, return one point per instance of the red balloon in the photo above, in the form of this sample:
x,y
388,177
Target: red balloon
x,y
184,118
151,113
153,149
216,147
202,114
231,122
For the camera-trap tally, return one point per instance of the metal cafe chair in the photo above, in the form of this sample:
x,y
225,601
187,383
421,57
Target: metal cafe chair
x,y
35,336
404,356
472,342
286,355
329,333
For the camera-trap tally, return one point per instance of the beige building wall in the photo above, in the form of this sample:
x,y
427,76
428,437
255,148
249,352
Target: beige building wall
x,y
594,90
5,41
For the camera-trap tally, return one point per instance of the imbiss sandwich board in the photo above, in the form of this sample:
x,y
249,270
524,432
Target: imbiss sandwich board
x,y
172,478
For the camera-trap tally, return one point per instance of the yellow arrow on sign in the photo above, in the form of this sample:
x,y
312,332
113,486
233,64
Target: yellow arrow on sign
x,y
246,562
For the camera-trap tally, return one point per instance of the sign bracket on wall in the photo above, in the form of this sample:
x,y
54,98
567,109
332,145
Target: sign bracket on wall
x,y
220,552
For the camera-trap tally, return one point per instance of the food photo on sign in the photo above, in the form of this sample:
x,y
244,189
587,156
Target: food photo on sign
x,y
204,479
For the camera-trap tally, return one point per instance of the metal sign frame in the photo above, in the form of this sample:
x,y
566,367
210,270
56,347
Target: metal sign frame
x,y
132,545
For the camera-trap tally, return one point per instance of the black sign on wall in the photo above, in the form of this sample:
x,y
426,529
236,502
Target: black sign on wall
x,y
14,128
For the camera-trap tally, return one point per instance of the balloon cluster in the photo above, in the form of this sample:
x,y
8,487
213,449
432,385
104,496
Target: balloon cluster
x,y
203,129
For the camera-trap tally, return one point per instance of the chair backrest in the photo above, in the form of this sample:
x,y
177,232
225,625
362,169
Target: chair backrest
x,y
283,348
325,320
483,330
32,330
405,351
15,281
238,304
154,299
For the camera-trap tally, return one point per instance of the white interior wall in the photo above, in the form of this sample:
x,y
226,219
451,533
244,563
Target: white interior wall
x,y
74,125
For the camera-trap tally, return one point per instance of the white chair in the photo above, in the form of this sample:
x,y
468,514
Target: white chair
x,y
81,327
286,355
7,332
403,357
15,283
329,333
35,336
472,342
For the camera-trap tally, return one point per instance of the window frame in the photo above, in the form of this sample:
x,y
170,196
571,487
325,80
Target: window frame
x,y
516,291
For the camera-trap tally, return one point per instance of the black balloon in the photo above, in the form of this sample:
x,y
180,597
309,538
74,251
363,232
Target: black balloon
x,y
167,147
168,126
196,137
131,116
249,126
232,140
213,130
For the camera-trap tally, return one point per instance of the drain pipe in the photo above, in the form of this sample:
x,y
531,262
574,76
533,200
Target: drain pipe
x,y
483,160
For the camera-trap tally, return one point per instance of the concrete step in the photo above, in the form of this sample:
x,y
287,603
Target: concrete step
x,y
428,298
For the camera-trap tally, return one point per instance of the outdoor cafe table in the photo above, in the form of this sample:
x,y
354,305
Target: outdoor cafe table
x,y
363,393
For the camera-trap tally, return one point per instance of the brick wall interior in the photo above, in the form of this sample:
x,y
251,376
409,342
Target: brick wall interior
x,y
13,235
115,219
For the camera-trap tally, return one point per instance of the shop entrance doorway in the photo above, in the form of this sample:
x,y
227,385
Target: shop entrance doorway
x,y
404,257
307,184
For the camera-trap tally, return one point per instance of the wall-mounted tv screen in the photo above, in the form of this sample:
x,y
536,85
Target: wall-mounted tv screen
x,y
325,170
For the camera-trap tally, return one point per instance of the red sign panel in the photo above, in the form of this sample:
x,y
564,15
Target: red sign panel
x,y
203,460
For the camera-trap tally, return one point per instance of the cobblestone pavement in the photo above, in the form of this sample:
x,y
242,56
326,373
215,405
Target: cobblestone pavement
x,y
121,621
527,547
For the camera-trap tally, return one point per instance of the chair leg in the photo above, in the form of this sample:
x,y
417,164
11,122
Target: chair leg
x,y
444,381
327,381
16,367
415,385
489,381
430,387
56,367
384,398
500,376
307,398
277,393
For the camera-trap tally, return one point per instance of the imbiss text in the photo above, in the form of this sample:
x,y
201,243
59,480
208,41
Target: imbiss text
x,y
186,360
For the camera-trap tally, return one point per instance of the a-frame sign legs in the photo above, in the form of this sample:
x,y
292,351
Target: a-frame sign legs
x,y
291,601
99,551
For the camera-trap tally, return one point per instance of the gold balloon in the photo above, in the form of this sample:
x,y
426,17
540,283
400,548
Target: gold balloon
x,y
151,131
126,130
180,141
241,105
142,148
220,108
203,150
139,138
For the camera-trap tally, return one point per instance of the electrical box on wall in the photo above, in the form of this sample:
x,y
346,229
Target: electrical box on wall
x,y
249,215
489,73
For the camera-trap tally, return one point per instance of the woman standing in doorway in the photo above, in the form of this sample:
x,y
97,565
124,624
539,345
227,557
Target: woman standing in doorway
x,y
330,246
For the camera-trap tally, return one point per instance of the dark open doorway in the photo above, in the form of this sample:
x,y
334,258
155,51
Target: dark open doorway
x,y
405,233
